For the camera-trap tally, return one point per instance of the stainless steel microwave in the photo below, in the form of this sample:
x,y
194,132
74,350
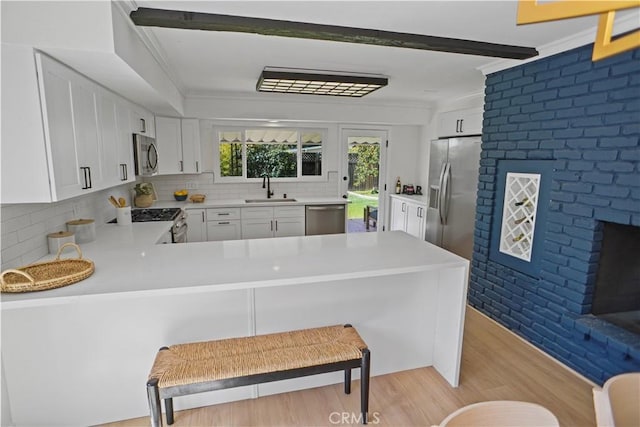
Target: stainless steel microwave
x,y
145,155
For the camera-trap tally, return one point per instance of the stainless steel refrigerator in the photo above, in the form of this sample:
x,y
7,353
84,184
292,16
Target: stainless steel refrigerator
x,y
453,183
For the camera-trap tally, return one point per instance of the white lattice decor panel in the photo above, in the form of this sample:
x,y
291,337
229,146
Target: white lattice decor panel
x,y
518,214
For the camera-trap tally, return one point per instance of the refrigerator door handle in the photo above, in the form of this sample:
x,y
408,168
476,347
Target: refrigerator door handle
x,y
445,194
440,190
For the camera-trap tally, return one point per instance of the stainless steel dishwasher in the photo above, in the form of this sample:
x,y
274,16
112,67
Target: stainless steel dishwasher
x,y
324,219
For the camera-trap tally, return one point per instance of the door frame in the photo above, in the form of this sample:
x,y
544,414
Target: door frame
x,y
383,132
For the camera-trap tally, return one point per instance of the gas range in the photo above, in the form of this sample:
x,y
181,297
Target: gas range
x,y
153,214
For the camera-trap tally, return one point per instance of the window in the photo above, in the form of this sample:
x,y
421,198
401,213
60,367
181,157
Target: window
x,y
279,152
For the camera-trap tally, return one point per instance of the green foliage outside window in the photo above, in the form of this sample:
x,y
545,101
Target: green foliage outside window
x,y
277,160
230,159
367,167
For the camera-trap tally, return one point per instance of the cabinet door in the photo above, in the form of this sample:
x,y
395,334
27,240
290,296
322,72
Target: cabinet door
x,y
460,123
471,123
126,168
142,122
223,230
191,146
289,226
257,228
416,220
169,143
85,124
109,139
196,225
55,90
398,215
448,124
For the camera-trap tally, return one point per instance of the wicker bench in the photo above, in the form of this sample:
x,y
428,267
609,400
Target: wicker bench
x,y
190,368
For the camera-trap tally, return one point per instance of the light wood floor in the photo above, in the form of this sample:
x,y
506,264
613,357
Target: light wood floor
x,y
496,366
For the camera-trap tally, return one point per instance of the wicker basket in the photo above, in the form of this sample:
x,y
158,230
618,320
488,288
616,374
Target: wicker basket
x,y
47,275
197,198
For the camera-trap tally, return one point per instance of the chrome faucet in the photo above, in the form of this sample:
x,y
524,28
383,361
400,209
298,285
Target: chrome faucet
x,y
265,177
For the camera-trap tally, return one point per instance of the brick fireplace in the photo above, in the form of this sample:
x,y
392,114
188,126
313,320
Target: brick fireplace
x,y
584,119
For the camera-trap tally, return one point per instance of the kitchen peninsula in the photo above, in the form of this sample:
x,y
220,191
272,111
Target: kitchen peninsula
x,y
80,355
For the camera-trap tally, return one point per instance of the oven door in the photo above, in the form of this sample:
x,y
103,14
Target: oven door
x,y
179,232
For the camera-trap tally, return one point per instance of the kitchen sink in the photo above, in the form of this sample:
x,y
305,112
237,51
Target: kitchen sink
x,y
269,200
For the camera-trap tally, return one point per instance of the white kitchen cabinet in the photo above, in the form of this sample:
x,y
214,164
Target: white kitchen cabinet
x,y
61,143
196,225
223,224
460,123
408,216
124,140
85,144
115,134
266,221
142,122
178,142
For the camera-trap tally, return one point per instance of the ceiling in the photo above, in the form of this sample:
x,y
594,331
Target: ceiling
x,y
206,63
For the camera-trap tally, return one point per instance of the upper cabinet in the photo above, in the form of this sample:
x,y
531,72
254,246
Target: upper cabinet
x,y
178,142
86,143
142,122
460,123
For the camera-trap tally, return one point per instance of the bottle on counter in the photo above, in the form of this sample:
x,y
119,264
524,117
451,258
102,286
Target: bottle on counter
x,y
398,186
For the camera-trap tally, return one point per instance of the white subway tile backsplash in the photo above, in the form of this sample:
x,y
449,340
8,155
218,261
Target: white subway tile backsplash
x,y
24,227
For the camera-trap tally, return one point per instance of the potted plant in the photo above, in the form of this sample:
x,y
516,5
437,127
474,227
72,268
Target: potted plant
x,y
144,195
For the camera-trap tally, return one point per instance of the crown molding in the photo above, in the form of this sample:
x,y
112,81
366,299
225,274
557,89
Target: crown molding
x,y
583,38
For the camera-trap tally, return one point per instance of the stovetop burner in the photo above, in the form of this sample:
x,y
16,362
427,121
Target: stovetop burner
x,y
152,214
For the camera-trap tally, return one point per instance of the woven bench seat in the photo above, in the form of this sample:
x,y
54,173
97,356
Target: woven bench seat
x,y
190,368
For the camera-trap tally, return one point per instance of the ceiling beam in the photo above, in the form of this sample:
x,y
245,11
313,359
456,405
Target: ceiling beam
x,y
148,17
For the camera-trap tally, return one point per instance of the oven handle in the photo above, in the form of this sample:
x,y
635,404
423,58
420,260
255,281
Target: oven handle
x,y
179,233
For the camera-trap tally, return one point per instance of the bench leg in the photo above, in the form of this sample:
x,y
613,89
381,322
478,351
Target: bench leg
x,y
168,405
155,411
364,384
347,381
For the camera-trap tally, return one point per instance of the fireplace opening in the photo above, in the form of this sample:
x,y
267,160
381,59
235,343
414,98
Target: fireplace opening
x,y
616,297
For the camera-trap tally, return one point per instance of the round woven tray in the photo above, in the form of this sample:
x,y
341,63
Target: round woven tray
x,y
47,275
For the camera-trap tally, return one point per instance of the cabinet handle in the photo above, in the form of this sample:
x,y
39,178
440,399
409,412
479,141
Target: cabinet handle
x,y
181,167
404,207
223,222
202,216
461,120
271,222
276,225
123,172
84,176
143,126
87,177
197,167
223,214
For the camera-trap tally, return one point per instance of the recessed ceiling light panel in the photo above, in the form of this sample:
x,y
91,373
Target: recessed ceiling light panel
x,y
311,82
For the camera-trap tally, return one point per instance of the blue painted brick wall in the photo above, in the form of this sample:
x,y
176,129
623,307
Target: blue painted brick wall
x,y
586,117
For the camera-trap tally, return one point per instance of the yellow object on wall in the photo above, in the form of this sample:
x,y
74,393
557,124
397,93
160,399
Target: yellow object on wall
x,y
531,11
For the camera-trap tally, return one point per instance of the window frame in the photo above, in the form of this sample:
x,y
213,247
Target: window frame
x,y
217,129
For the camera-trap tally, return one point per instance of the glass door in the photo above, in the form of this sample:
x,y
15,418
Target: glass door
x,y
363,178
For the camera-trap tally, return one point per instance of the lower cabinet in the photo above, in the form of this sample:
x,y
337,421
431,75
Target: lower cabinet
x,y
196,225
257,222
408,216
267,221
223,224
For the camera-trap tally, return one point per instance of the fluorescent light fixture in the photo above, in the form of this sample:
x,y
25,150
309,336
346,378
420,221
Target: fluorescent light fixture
x,y
316,82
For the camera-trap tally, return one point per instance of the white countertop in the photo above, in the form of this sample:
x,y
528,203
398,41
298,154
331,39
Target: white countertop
x,y
415,198
129,263
227,203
